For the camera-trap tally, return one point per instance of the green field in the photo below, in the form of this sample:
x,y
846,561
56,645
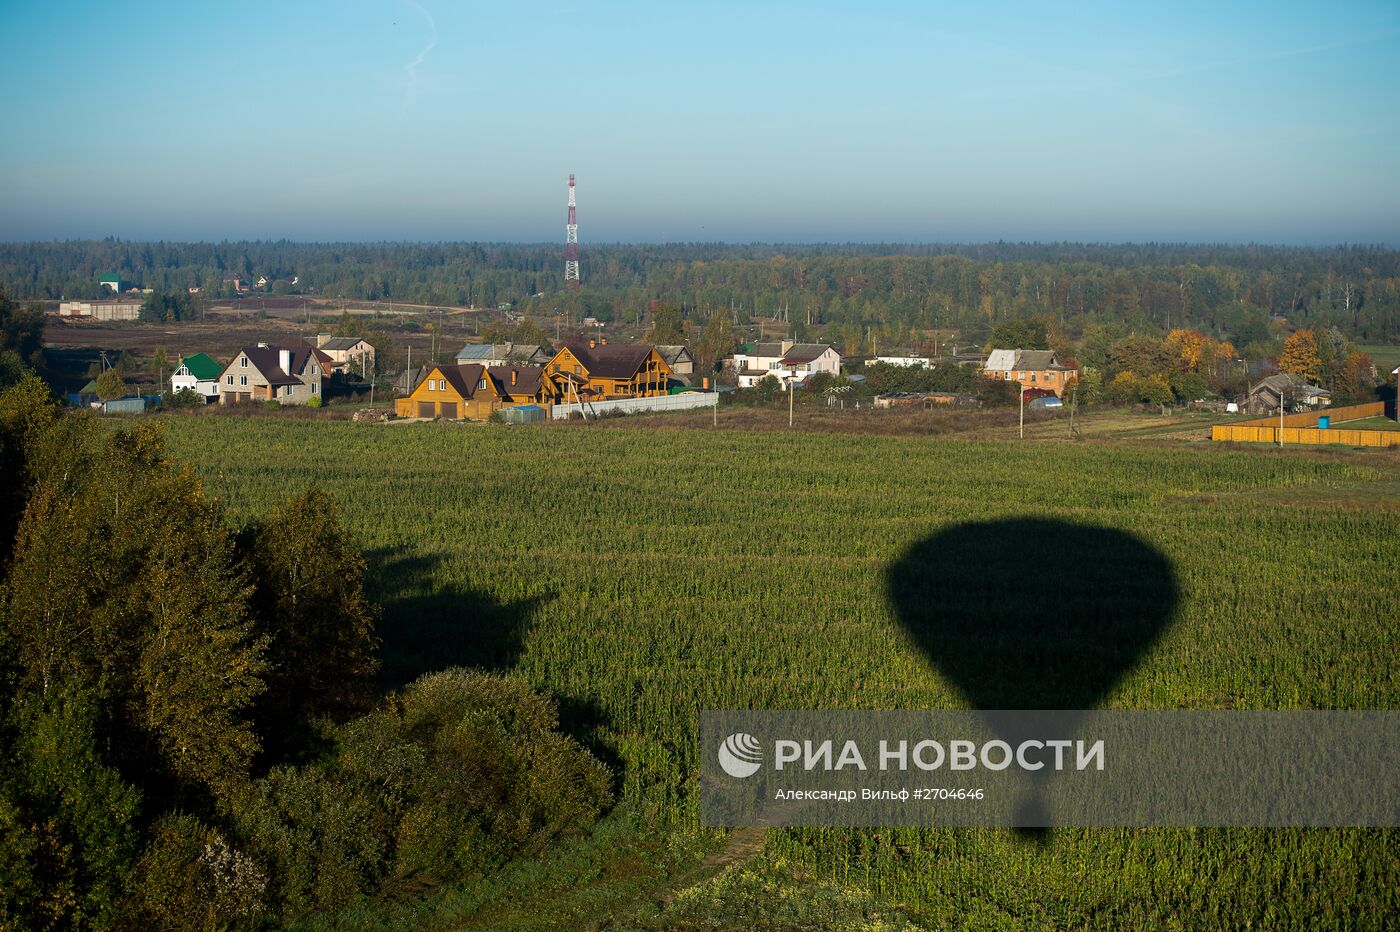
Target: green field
x,y
642,575
1386,356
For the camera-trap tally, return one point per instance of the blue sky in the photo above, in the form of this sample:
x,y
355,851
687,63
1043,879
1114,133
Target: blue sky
x,y
403,120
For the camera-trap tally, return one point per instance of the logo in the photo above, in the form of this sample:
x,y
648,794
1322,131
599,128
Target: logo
x,y
740,755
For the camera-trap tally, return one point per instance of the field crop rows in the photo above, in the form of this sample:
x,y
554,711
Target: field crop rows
x,y
641,576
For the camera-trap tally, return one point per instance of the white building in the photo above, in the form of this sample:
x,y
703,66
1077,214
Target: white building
x,y
906,361
198,373
786,361
118,309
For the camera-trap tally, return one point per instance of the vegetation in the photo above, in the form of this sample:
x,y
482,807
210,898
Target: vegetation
x,y
191,735
883,295
637,593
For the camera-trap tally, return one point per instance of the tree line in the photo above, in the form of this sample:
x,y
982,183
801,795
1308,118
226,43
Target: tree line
x,y
890,292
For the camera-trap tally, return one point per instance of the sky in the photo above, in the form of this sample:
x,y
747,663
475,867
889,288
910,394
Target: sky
x,y
431,120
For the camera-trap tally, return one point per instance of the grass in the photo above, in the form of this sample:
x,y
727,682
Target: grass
x,y
1367,423
643,574
1386,356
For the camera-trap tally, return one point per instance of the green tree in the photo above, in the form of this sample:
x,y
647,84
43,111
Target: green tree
x,y
667,324
310,605
123,581
22,330
110,386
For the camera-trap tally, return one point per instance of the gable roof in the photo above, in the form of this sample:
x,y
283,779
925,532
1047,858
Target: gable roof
x,y
202,367
672,352
463,378
527,379
806,352
1288,382
1001,359
1037,359
341,344
611,361
763,349
265,360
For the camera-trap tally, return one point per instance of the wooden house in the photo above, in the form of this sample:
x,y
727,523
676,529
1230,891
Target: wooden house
x,y
594,371
473,392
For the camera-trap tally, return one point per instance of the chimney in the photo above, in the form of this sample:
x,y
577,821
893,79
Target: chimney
x,y
786,345
513,374
322,339
592,344
284,359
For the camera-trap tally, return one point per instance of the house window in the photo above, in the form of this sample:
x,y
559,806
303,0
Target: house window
x,y
578,370
228,379
481,384
315,388
1032,376
442,385
287,391
243,362
242,380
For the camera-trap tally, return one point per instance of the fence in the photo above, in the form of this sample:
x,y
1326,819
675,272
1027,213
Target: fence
x,y
1302,428
636,405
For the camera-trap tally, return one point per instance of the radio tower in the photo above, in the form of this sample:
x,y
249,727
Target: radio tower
x,y
571,243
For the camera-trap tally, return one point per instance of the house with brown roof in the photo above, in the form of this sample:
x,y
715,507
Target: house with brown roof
x,y
504,354
473,392
593,370
678,358
1033,369
289,374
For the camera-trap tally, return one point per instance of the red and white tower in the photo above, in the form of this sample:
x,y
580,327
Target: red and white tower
x,y
571,243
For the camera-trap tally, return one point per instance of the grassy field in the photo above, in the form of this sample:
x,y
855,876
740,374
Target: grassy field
x,y
1385,356
1368,423
641,575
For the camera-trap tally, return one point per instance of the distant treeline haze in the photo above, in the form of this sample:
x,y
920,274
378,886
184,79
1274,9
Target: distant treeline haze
x,y
1224,290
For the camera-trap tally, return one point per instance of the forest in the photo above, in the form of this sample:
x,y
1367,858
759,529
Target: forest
x,y
894,291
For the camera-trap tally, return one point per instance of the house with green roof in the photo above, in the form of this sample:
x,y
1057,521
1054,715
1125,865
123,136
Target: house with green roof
x,y
197,373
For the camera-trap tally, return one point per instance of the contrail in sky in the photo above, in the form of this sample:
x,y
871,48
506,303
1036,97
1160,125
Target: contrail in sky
x,y
411,69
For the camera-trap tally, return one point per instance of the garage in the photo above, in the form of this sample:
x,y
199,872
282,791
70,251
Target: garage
x,y
425,409
449,409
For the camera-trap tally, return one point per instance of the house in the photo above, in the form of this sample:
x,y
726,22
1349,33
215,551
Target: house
x,y
473,391
115,309
1033,369
240,285
290,374
346,354
503,354
198,373
594,371
114,282
786,361
926,400
1265,396
679,359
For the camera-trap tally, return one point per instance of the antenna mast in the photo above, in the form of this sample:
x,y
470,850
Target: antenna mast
x,y
571,243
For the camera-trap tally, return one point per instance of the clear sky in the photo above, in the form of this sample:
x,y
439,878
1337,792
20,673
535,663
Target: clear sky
x,y
884,121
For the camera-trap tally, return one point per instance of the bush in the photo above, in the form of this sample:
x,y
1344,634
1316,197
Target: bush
x,y
272,405
460,773
184,398
314,401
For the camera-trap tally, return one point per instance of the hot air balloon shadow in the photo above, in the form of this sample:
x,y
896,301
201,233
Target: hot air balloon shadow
x,y
1033,613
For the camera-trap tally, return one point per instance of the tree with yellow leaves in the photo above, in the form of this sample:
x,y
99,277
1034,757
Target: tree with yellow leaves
x,y
1301,356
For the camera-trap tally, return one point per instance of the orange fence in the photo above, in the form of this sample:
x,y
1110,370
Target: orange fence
x,y
1302,428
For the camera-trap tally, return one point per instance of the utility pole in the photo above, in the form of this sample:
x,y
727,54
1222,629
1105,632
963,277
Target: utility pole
x,y
790,401
1021,394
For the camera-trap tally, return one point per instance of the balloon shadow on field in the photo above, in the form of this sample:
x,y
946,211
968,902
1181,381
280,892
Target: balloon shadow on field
x,y
428,624
1033,613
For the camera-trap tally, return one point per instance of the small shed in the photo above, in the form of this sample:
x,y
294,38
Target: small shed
x,y
523,414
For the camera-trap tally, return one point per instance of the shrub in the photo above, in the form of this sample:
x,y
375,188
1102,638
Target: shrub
x,y
314,401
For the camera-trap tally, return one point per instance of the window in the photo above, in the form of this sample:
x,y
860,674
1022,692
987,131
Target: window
x,y
578,370
287,391
315,388
1032,376
442,385
243,362
228,380
480,385
242,380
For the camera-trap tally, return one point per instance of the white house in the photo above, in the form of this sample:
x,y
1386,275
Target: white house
x,y
348,354
197,373
906,361
786,361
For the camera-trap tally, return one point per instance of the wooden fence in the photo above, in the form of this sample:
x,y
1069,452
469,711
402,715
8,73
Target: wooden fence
x,y
1302,428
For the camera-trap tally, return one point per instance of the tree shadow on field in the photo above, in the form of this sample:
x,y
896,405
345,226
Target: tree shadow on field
x,y
1032,613
430,624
